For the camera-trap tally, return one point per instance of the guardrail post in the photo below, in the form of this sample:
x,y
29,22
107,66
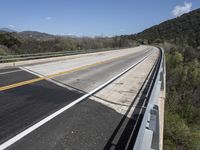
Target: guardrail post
x,y
154,126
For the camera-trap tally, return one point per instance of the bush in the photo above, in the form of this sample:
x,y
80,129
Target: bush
x,y
2,51
182,112
177,132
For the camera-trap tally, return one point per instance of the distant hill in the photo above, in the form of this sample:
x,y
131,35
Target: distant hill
x,y
28,34
6,30
183,29
36,35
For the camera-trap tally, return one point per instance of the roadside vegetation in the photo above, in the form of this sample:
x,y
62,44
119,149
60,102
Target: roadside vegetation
x,y
182,112
18,43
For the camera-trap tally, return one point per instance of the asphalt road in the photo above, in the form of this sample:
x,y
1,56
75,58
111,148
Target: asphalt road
x,y
9,77
87,125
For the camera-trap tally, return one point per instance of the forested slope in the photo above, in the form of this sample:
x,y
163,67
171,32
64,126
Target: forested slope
x,y
180,37
184,29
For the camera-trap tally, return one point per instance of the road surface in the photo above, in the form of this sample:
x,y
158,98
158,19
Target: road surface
x,y
105,120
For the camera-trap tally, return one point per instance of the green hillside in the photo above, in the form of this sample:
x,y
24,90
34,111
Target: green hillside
x,y
181,30
180,37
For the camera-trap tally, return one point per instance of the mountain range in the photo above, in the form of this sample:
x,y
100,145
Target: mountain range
x,y
6,30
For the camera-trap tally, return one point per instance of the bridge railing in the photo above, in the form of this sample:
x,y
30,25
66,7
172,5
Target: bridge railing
x,y
14,58
150,135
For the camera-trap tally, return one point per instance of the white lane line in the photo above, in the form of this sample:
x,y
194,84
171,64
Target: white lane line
x,y
48,118
1,73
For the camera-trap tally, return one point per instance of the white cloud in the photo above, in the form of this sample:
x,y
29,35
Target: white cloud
x,y
48,18
179,10
11,26
72,33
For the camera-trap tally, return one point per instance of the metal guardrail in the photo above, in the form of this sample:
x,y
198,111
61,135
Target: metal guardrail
x,y
148,136
14,58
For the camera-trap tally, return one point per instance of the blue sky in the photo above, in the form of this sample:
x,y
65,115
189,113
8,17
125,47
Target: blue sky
x,y
89,17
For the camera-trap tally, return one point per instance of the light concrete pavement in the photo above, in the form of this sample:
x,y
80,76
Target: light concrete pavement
x,y
72,62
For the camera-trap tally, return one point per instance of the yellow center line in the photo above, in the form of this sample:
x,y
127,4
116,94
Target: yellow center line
x,y
7,87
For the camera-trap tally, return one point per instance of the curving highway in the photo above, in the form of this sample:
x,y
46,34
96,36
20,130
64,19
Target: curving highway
x,y
88,101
